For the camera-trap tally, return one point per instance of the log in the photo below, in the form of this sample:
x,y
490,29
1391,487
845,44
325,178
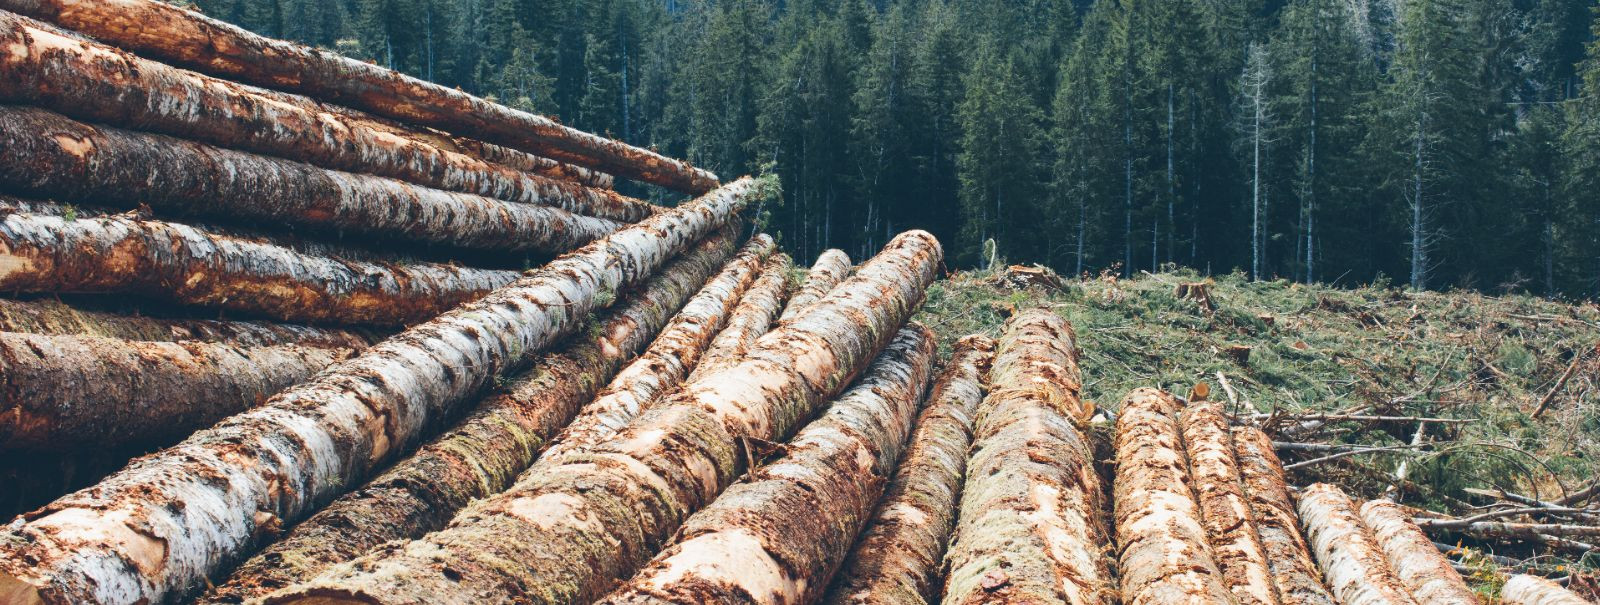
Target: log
x,y
185,265
1294,573
1523,589
1426,574
778,537
751,320
1224,510
567,533
100,164
484,453
189,39
71,392
898,557
1164,554
53,317
1030,527
93,82
510,158
1351,560
157,530
830,269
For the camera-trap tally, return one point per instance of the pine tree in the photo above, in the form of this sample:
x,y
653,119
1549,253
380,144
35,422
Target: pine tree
x,y
999,159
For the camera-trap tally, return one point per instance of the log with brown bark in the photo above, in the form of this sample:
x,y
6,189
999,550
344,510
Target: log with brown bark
x,y
1522,589
897,559
779,536
1351,560
567,533
750,320
189,39
1164,554
97,83
47,316
1294,573
1030,527
68,392
1424,571
183,264
1224,509
830,269
158,529
49,155
484,453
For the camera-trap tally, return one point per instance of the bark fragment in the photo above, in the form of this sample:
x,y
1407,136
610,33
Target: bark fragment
x,y
565,534
750,320
830,269
1350,558
189,39
1030,528
156,530
1424,571
896,561
1524,589
1224,510
49,155
1294,573
45,316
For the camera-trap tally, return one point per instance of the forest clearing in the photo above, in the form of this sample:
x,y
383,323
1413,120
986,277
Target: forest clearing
x,y
282,326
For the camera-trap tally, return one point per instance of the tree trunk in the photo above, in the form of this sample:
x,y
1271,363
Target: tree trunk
x,y
751,320
71,392
156,530
171,261
830,269
1351,560
1165,555
568,532
897,559
1293,571
778,537
97,83
101,165
484,453
188,39
1424,571
1224,510
1030,525
1524,589
510,158
45,316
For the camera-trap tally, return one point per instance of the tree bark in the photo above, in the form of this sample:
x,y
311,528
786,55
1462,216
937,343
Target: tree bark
x,y
68,392
97,83
1351,560
188,39
1293,571
1524,589
898,557
484,453
53,317
1030,526
49,155
778,537
171,261
565,534
1165,556
752,319
156,530
1425,572
1224,510
830,269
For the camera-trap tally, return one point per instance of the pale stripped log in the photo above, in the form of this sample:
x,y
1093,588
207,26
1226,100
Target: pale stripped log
x,y
1224,510
47,316
757,309
830,269
1293,570
1426,573
1346,551
156,530
1522,589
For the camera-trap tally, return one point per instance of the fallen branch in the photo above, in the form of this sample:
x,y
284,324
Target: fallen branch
x,y
1544,402
1349,453
1499,529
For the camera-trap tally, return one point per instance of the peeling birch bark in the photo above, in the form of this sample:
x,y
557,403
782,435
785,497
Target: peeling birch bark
x,y
1350,558
485,452
778,537
1030,529
1294,573
1524,589
156,530
1224,510
830,269
53,317
49,155
1426,573
897,559
189,39
752,319
97,83
179,263
1165,556
565,534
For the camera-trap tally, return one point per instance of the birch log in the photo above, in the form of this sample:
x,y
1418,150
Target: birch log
x,y
1294,573
97,83
49,155
565,534
1347,552
45,316
484,453
1030,528
1425,572
830,269
156,530
1224,510
896,561
189,39
1524,589
750,320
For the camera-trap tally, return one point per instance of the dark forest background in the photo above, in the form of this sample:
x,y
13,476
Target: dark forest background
x,y
1435,143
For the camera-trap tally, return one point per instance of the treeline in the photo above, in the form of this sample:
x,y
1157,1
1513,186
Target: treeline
x,y
1436,142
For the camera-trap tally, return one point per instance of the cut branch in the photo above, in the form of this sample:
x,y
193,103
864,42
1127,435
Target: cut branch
x,y
1224,510
1293,571
1426,573
830,269
1497,529
1351,560
45,316
1524,589
752,319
